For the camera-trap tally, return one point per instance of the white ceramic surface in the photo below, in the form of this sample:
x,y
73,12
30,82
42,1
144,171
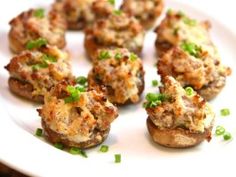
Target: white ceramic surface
x,y
21,150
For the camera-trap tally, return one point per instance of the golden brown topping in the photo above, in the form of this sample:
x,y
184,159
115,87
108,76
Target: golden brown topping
x,y
121,72
145,11
76,121
180,109
33,24
42,69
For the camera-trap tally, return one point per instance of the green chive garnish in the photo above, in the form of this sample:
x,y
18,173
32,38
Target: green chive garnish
x,y
117,158
118,56
191,48
77,151
39,13
112,2
104,148
74,92
117,12
74,150
49,58
36,43
133,57
189,91
219,130
39,132
154,99
155,83
83,154
39,66
104,54
81,80
59,146
227,136
225,112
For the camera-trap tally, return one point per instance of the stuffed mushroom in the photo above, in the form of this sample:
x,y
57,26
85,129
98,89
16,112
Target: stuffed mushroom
x,y
145,11
33,73
76,117
178,27
118,30
82,13
34,24
122,74
194,66
178,118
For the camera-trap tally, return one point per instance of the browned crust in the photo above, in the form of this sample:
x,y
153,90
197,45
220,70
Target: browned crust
x,y
18,40
162,47
167,137
23,89
147,24
91,46
15,44
97,138
151,22
93,83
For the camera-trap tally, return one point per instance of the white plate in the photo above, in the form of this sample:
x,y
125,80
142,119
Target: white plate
x,y
21,150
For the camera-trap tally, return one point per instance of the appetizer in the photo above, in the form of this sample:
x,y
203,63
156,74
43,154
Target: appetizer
x,y
75,117
118,30
122,74
34,72
34,24
177,117
145,11
178,27
81,13
194,66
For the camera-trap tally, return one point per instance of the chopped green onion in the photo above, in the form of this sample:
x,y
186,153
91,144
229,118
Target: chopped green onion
x,y
225,112
104,148
36,43
74,93
189,91
39,13
81,80
133,57
155,83
49,58
59,146
104,54
190,22
118,56
154,99
117,12
74,150
227,136
77,151
191,48
112,2
187,20
39,66
219,130
117,158
39,132
83,153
